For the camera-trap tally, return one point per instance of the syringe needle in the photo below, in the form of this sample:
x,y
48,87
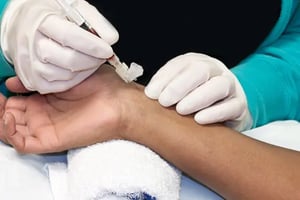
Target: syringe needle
x,y
127,74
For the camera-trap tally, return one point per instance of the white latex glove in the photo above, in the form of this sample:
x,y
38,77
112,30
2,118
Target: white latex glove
x,y
202,85
50,53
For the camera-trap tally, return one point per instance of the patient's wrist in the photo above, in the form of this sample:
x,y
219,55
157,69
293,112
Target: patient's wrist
x,y
132,109
140,115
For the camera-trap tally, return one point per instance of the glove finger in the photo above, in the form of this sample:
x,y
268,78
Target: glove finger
x,y
212,66
69,34
45,86
102,26
51,52
177,65
227,110
190,78
216,89
163,76
51,73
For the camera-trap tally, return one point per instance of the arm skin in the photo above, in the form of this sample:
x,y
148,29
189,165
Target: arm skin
x,y
233,165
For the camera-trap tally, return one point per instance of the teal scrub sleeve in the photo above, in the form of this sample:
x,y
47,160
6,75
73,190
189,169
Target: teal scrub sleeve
x,y
6,69
271,77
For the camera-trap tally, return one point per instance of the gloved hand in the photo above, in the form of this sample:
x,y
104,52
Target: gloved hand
x,y
50,53
202,85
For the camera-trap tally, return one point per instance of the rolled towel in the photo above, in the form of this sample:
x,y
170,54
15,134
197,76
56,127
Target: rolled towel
x,y
116,169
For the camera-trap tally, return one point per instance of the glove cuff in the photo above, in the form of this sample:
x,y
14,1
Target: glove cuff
x,y
245,121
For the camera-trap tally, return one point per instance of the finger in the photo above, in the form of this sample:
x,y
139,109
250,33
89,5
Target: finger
x,y
24,141
9,124
45,87
18,116
10,132
221,112
28,142
213,67
205,67
25,144
214,90
186,81
163,76
18,136
16,103
51,73
2,110
2,132
102,26
2,104
51,52
70,35
15,85
16,106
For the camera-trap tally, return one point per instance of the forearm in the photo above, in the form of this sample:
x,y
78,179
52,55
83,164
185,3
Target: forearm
x,y
234,165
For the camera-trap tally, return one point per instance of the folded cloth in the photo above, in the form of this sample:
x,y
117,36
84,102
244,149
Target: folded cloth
x,y
280,133
116,169
22,176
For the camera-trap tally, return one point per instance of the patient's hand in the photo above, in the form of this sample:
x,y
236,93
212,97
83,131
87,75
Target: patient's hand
x,y
2,107
86,114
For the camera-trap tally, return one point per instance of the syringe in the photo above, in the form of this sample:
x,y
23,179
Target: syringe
x,y
73,15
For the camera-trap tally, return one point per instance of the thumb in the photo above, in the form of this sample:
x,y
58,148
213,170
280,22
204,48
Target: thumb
x,y
14,84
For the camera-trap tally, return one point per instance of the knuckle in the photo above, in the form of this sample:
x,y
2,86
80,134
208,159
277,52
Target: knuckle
x,y
41,50
172,92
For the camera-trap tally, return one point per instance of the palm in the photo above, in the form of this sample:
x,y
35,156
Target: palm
x,y
54,122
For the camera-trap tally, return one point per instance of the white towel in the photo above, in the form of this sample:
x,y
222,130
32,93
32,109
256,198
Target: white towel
x,y
280,133
23,176
114,170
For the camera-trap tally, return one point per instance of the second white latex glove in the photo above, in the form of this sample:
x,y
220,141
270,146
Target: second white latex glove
x,y
203,85
50,53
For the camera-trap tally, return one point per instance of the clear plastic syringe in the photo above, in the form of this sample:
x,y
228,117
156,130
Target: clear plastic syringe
x,y
73,15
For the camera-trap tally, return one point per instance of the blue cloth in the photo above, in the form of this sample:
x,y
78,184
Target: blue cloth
x,y
143,196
